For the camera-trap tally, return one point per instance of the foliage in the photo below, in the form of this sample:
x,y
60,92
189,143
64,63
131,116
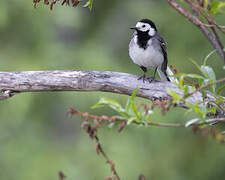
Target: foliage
x,y
206,84
216,7
130,112
133,114
207,79
74,3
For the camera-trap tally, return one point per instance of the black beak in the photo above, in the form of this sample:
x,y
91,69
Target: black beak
x,y
134,28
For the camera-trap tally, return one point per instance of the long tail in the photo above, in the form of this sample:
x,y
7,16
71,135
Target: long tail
x,y
168,75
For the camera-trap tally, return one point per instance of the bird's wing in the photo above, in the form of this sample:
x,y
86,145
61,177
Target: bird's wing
x,y
163,48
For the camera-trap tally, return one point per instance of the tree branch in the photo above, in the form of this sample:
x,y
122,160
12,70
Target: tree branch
x,y
108,119
193,18
105,81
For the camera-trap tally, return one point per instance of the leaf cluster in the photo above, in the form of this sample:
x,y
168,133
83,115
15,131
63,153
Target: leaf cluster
x,y
131,112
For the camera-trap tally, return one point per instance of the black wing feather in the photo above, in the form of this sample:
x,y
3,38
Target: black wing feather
x,y
164,51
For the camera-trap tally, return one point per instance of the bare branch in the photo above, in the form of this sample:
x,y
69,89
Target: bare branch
x,y
204,27
207,85
108,119
92,132
105,81
116,82
61,175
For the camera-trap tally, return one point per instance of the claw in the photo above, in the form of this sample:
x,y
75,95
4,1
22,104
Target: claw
x,y
143,78
152,79
148,79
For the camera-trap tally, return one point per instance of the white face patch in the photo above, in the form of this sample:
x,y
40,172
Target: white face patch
x,y
145,27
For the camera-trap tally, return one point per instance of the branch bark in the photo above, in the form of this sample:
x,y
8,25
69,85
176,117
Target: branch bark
x,y
115,82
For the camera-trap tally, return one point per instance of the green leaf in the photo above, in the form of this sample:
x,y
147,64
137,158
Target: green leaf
x,y
179,75
185,91
199,68
148,118
131,99
212,109
191,106
192,121
210,75
217,7
89,4
214,7
108,102
124,114
196,76
206,2
220,90
134,94
175,96
131,119
196,64
222,5
207,57
201,82
119,117
209,72
201,111
127,107
220,100
137,114
181,81
110,125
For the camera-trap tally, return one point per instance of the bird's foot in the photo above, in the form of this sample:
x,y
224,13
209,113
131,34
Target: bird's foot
x,y
151,79
143,78
148,79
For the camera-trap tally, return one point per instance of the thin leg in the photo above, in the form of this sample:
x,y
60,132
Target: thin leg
x,y
150,79
143,76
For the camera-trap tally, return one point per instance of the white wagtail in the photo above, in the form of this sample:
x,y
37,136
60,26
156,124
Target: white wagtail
x,y
148,50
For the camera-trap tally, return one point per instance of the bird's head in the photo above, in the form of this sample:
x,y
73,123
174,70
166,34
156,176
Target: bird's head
x,y
145,26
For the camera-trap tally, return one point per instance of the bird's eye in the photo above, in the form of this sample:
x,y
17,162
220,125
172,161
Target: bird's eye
x,y
143,26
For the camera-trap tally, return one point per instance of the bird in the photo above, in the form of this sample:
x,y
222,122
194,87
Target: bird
x,y
148,49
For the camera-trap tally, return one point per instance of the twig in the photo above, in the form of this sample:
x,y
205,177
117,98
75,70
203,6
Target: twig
x,y
213,121
218,105
201,10
192,18
195,127
198,8
176,71
207,85
61,175
92,132
186,14
53,2
108,119
141,177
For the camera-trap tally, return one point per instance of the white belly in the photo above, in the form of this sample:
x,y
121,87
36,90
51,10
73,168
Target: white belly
x,y
149,58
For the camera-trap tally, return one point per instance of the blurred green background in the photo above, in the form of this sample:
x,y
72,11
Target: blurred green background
x,y
37,139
